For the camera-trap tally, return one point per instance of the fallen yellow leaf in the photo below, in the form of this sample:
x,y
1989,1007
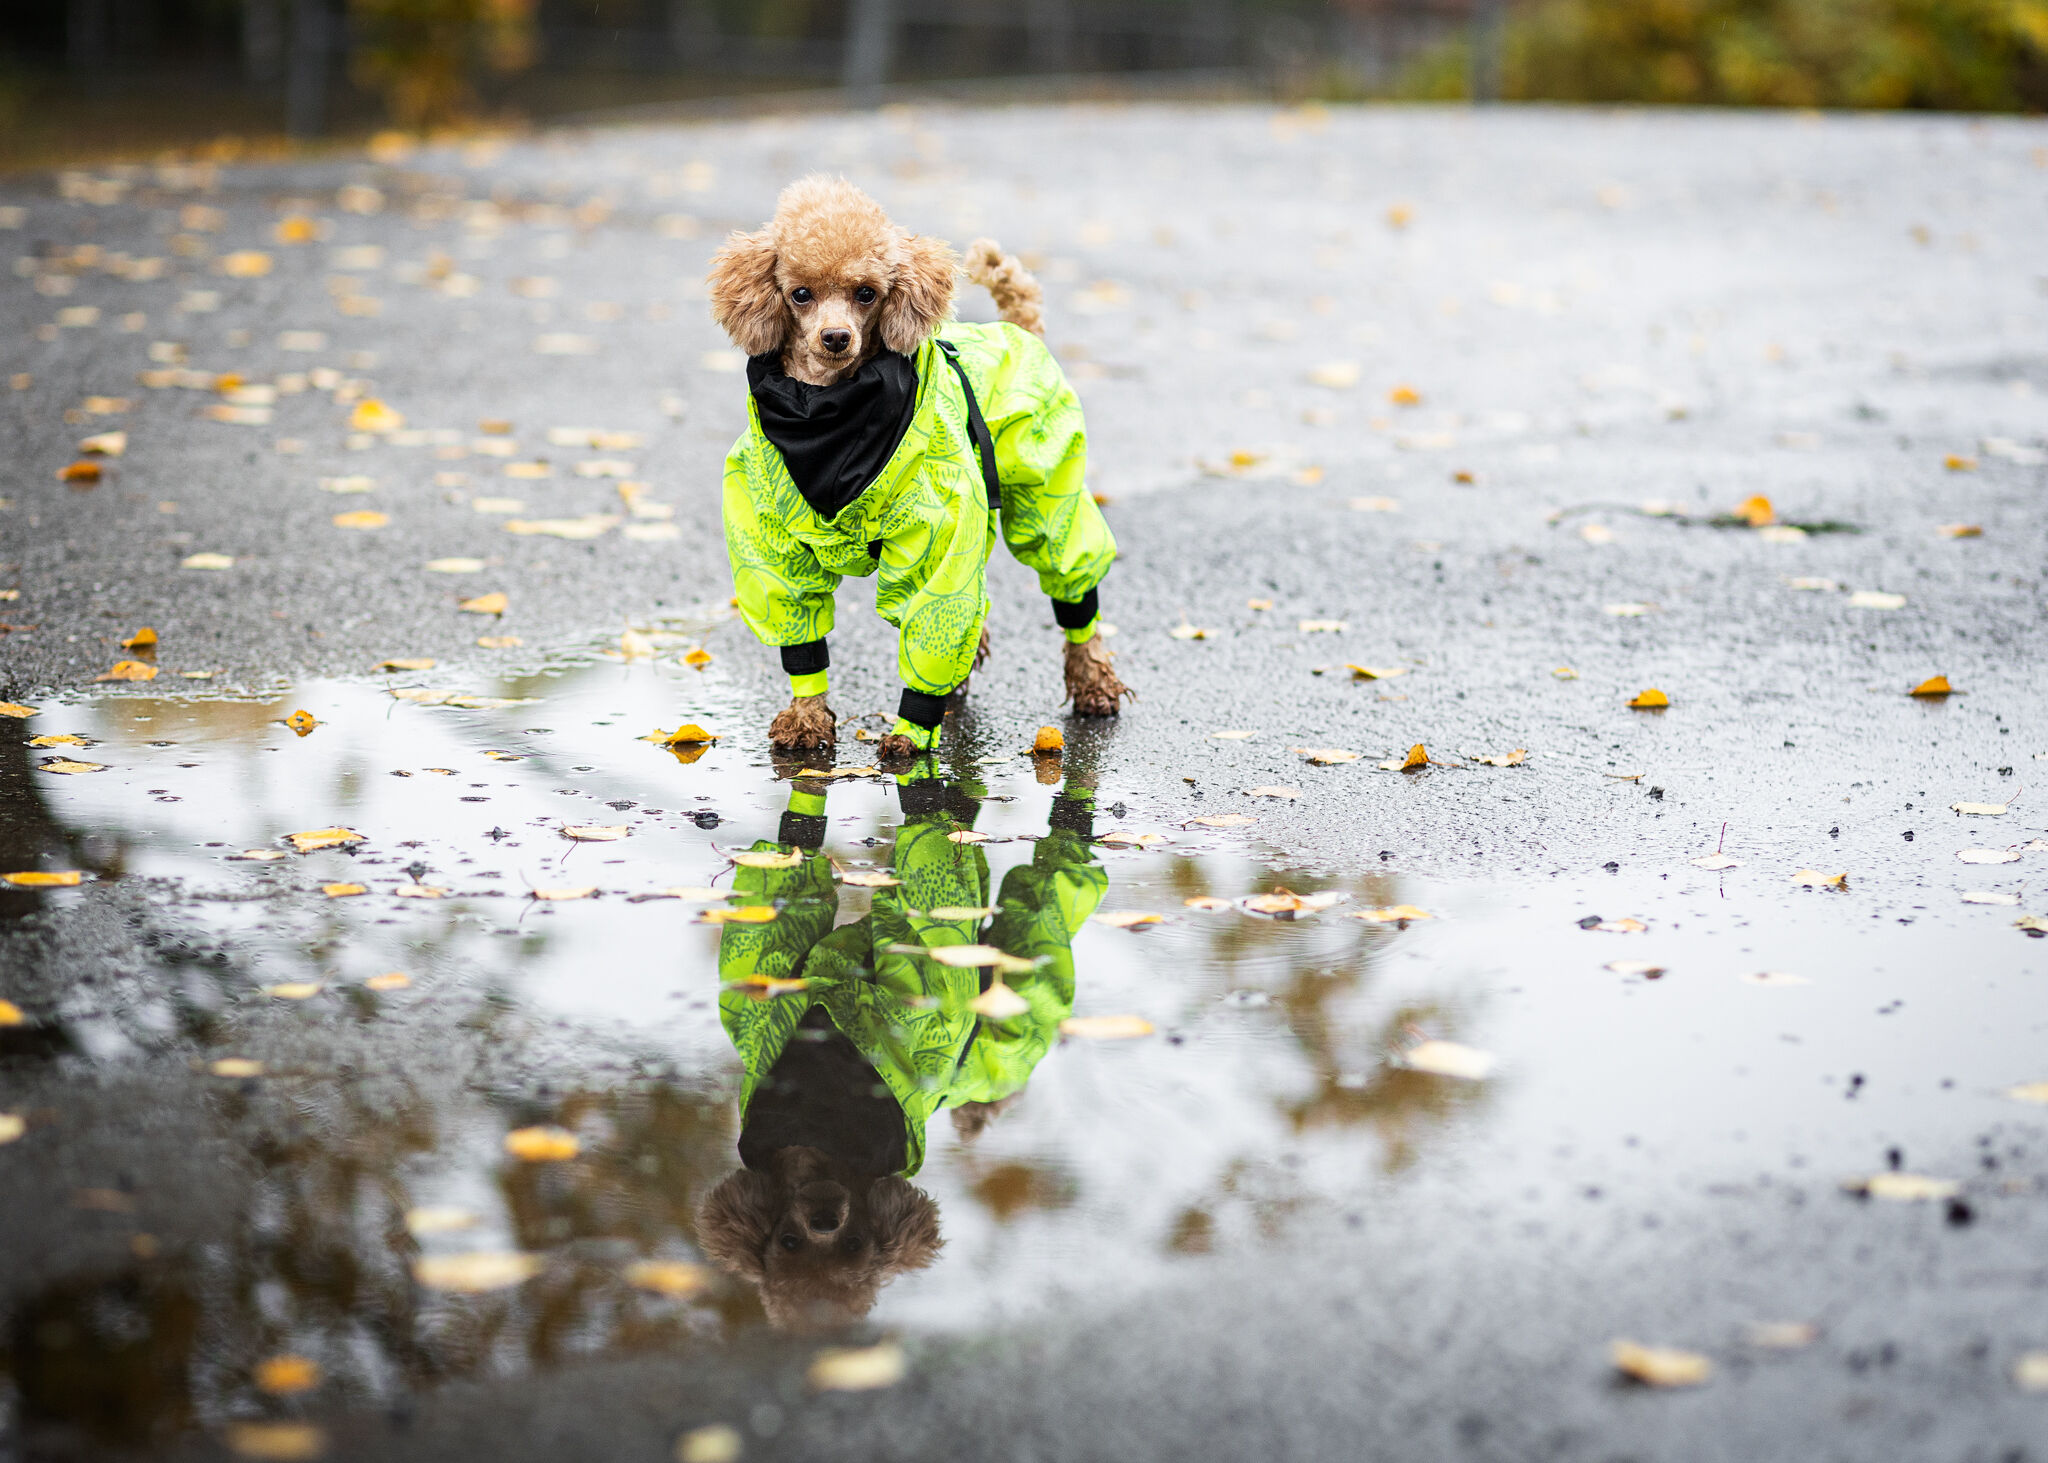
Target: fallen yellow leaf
x,y
698,657
743,914
1756,511
244,264
1393,914
361,518
494,603
409,663
129,670
105,444
579,891
372,415
276,1442
1186,631
1903,1188
16,710
142,639
1933,686
1955,462
301,722
319,838
1206,902
1376,672
477,1271
390,980
1650,700
1960,530
1127,919
1326,756
859,1368
596,832
283,1375
1405,396
207,561
10,1014
420,891
60,739
1105,1028
1285,794
1223,820
1815,879
1505,759
236,1067
863,880
1660,1366
673,1278
1122,839
1049,739
343,891
1448,1059
80,472
1286,904
35,879
455,566
998,1003
68,767
499,642
542,1144
788,859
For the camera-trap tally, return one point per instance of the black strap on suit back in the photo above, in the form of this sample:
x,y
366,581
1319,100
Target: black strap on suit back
x,y
977,427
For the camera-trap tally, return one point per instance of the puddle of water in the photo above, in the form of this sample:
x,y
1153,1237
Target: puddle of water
x,y
1060,1172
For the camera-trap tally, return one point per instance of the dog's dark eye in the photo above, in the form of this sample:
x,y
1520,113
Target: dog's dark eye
x,y
791,1242
801,295
852,1244
865,294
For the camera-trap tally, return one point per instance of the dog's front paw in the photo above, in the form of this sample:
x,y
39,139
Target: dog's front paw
x,y
1092,684
805,723
896,747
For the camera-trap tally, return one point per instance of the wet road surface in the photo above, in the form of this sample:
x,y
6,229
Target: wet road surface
x,y
1539,1059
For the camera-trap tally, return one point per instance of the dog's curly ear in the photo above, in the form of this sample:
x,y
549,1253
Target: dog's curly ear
x,y
906,1225
745,300
734,1220
921,297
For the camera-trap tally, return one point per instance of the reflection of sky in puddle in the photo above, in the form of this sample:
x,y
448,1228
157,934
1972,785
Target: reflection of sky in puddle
x,y
1267,1093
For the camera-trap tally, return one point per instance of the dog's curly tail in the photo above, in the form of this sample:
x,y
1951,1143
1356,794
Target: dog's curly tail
x,y
1019,297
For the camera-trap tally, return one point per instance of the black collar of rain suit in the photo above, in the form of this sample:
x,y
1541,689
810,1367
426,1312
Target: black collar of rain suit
x,y
835,439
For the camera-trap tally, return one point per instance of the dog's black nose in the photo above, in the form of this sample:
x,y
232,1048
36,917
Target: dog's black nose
x,y
836,341
823,1221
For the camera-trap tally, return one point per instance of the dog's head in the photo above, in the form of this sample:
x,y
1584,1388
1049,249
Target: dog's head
x,y
817,1239
829,282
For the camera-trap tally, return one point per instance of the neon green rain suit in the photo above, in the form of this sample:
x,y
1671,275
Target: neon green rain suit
x,y
907,1014
924,523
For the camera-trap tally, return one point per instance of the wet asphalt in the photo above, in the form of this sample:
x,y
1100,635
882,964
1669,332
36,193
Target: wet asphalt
x,y
1417,373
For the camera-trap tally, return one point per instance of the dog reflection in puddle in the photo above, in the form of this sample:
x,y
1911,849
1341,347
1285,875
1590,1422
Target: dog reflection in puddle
x,y
843,1072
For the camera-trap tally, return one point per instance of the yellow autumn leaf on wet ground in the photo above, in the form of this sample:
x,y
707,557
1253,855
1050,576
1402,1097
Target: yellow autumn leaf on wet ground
x,y
699,658
1956,462
596,832
372,415
1405,396
142,639
475,1272
319,838
70,768
1876,599
1376,672
788,859
207,561
1815,879
998,1003
1650,700
1105,1028
499,642
35,879
455,566
494,603
1049,739
1286,904
236,1067
1208,903
10,1014
745,914
1284,794
1660,1366
1988,855
244,264
1715,861
1903,1188
862,880
60,739
1233,736
17,711
1336,375
408,663
276,1442
420,891
858,1368
1126,919
1123,839
1756,511
281,1376
1980,810
687,735
390,980
1222,820
129,670
1448,1059
343,891
1393,914
1504,759
716,1442
1417,758
12,1126
542,1144
295,990
361,518
302,722
80,472
672,1278
1186,631
575,891
1326,756
1933,686
1960,530
105,444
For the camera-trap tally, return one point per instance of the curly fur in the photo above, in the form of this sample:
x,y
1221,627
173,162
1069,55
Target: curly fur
x,y
806,722
1019,298
1092,684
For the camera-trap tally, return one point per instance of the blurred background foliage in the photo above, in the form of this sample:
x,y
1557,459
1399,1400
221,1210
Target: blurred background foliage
x,y
86,77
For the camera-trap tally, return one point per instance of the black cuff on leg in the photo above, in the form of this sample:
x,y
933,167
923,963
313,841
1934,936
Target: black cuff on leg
x,y
806,660
803,830
921,708
1077,614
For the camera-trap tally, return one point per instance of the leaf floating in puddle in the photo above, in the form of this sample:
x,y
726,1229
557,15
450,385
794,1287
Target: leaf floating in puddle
x,y
302,722
1644,968
1716,861
1986,896
763,860
320,838
1627,926
1815,879
967,835
411,663
1982,810
420,891
342,891
35,879
296,990
1903,1188
1207,902
1773,978
1285,794
276,1442
1286,904
1660,1366
687,735
1127,919
870,881
476,1272
1393,914
1105,1028
596,832
859,1368
1933,686
60,739
579,891
497,756
281,1376
438,1219
1988,856
1448,1059
970,957
1222,820
544,1144
16,710
70,768
1504,759
672,1278
699,658
2033,924
236,1067
1122,839
1049,739
745,914
998,1003
129,670
390,980
494,603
